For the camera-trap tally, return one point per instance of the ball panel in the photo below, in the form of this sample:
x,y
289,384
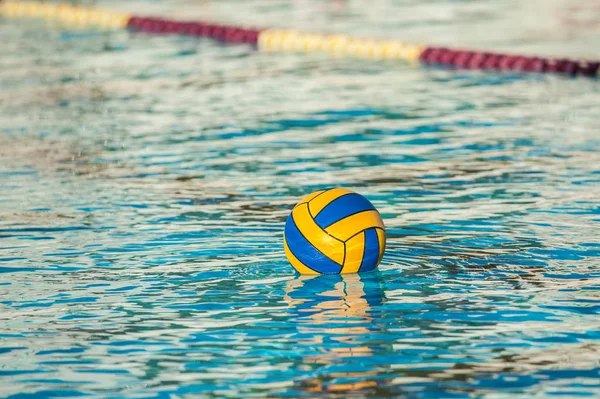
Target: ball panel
x,y
371,255
355,247
381,238
309,197
321,201
341,208
305,252
347,227
299,266
329,246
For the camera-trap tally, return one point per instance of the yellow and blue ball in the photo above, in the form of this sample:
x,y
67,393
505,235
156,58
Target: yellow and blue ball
x,y
334,231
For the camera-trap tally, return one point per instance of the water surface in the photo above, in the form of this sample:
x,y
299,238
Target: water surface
x,y
145,182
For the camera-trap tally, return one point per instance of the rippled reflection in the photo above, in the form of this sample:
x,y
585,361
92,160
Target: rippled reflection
x,y
335,319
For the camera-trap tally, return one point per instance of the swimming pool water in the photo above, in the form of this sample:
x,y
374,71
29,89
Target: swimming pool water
x,y
145,182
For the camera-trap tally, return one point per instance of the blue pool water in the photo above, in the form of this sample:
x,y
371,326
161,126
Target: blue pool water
x,y
145,182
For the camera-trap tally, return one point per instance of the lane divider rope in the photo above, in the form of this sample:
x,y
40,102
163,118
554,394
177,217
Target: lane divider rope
x,y
64,13
283,40
294,41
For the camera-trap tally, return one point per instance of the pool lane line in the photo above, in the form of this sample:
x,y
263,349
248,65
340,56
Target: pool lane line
x,y
224,33
64,13
285,40
487,61
278,40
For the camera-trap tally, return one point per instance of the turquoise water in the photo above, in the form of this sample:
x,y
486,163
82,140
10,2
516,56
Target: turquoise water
x,y
145,183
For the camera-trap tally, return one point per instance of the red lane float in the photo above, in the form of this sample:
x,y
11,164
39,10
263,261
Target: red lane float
x,y
479,60
229,34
